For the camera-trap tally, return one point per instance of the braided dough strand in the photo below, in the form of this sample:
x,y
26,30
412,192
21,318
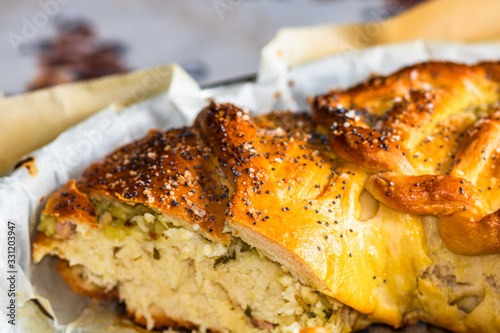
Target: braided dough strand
x,y
464,223
378,125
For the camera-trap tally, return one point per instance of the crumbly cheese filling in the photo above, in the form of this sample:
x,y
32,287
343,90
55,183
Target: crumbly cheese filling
x,y
160,269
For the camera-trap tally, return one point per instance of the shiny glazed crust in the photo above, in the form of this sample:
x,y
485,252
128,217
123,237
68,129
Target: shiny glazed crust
x,y
423,98
290,186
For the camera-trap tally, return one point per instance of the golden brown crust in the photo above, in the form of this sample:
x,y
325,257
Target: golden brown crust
x,y
353,140
170,171
375,97
426,194
369,148
478,148
415,112
469,234
464,224
376,123
70,204
417,99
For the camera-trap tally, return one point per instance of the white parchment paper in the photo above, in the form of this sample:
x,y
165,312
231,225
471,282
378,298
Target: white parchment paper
x,y
279,86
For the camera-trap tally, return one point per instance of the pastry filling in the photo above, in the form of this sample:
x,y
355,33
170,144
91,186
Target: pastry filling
x,y
160,269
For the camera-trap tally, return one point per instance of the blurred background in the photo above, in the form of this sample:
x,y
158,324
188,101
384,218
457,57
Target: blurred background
x,y
46,42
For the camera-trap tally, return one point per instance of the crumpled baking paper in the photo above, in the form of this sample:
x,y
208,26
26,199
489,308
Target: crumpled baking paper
x,y
279,86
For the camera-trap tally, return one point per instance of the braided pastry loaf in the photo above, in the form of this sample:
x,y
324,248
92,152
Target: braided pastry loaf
x,y
380,207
